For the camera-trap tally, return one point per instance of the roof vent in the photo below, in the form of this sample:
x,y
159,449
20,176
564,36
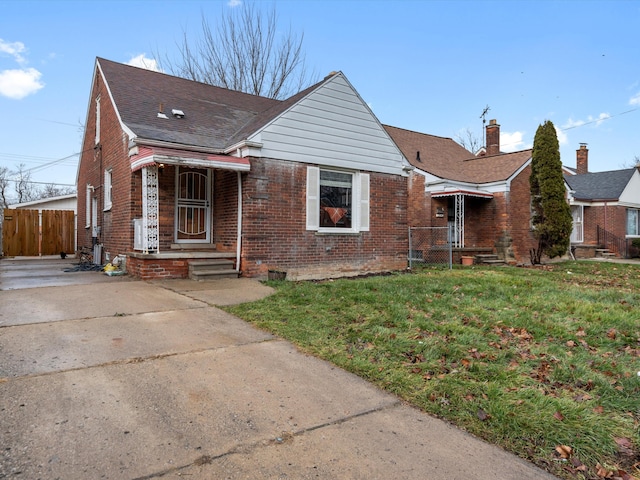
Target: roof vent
x,y
177,113
160,114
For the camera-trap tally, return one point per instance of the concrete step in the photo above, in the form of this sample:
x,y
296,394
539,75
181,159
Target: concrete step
x,y
212,274
605,253
210,269
488,259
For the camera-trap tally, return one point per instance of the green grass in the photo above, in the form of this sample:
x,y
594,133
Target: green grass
x,y
527,358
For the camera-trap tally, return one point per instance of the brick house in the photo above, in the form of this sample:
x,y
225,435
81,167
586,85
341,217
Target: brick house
x,y
176,173
484,199
605,208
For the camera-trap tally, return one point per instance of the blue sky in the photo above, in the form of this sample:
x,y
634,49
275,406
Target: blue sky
x,y
429,66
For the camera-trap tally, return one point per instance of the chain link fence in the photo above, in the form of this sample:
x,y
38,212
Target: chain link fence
x,y
430,246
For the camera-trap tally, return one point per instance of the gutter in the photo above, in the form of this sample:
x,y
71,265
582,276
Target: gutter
x,y
178,146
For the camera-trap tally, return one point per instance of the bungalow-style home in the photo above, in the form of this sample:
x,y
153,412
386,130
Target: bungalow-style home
x,y
485,199
178,175
605,208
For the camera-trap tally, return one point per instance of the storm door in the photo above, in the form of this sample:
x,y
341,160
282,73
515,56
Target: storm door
x,y
193,205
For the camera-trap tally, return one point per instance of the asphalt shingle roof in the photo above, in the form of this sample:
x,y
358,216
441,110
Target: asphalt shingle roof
x,y
599,185
445,158
214,117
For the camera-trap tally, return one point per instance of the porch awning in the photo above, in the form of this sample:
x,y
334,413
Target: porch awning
x,y
464,192
146,156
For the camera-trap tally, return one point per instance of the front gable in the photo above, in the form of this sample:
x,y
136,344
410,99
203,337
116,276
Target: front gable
x,y
630,196
331,126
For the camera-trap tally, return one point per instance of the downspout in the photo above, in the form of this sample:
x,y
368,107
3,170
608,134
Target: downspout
x,y
239,239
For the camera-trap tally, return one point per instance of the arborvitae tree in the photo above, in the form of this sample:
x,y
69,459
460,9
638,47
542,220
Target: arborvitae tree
x,y
552,221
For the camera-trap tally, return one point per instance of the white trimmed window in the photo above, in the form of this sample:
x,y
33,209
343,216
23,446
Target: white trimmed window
x,y
337,201
107,189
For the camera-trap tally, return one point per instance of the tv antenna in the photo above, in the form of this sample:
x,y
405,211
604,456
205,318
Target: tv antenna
x,y
484,120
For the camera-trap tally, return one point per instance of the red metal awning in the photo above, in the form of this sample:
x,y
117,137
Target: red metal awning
x,y
146,156
464,192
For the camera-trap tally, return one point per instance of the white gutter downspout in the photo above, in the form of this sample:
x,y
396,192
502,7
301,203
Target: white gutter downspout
x,y
239,239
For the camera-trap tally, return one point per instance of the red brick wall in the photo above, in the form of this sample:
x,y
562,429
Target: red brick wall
x,y
501,223
111,153
225,210
275,235
419,207
519,217
612,218
151,268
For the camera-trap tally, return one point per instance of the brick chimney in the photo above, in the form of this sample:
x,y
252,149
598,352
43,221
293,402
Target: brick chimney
x,y
493,138
582,159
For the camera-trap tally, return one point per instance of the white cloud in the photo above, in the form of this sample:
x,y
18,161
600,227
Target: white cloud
x,y
21,82
14,49
511,142
144,62
571,123
17,84
563,139
635,100
234,3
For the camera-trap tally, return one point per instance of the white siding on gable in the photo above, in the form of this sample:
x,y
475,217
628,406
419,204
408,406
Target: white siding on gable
x,y
332,127
630,196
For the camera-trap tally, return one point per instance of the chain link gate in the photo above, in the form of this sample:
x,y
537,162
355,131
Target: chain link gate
x,y
430,245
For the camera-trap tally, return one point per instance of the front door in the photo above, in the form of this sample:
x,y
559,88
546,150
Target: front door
x,y
193,205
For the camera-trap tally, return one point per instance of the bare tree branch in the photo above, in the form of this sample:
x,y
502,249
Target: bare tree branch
x,y
244,51
468,140
4,185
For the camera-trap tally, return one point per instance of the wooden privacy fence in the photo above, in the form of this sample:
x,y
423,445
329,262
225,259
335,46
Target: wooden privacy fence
x,y
31,232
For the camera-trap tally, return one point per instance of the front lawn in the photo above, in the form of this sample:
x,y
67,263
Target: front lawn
x,y
541,361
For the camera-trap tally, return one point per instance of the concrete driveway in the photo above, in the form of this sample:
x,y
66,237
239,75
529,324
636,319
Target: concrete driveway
x,y
125,379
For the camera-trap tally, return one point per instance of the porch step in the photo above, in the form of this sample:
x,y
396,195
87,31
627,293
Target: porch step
x,y
211,269
605,253
488,259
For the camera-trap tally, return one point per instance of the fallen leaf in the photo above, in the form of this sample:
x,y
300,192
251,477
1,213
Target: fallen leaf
x,y
578,465
582,398
603,472
581,332
564,451
598,409
571,344
482,415
558,416
625,447
612,333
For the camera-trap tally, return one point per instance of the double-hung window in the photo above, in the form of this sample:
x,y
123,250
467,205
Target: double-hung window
x,y
107,189
337,201
633,222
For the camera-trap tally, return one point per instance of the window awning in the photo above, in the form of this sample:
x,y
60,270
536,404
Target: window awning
x,y
146,156
464,192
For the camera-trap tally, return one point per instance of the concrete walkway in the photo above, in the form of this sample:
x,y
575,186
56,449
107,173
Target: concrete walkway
x,y
124,379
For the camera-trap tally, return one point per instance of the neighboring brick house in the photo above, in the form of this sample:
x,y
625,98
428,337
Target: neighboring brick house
x,y
484,199
174,172
605,208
